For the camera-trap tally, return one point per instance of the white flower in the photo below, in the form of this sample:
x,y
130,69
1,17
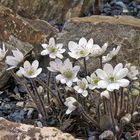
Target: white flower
x,y
81,87
112,79
19,73
98,51
2,52
132,71
30,70
82,49
52,49
40,90
70,104
13,61
55,65
68,73
105,94
93,81
106,58
111,54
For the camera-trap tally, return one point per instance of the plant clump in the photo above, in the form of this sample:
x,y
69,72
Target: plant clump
x,y
105,101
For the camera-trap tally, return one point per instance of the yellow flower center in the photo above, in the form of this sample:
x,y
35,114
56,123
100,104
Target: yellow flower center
x,y
82,52
111,79
52,49
82,85
95,81
30,72
68,74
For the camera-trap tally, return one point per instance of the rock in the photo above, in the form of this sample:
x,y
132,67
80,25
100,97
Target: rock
x,y
106,29
14,131
25,35
107,135
60,10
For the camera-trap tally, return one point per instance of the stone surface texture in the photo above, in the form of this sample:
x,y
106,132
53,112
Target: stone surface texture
x,y
60,10
26,35
17,131
118,30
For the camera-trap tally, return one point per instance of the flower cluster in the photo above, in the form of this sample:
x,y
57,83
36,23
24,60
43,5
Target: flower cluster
x,y
107,84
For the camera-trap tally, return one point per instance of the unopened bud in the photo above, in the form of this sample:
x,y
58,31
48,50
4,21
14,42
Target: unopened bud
x,y
105,94
40,89
126,119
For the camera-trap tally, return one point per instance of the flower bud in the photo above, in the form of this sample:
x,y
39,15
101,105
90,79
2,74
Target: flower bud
x,y
40,89
105,94
126,119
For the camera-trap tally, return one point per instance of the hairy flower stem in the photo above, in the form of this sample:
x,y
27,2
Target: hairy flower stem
x,y
59,95
28,90
105,109
33,98
116,104
45,86
14,76
121,99
85,65
86,116
48,84
98,111
137,102
101,64
39,98
112,116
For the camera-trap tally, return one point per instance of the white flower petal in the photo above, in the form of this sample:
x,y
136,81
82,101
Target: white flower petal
x,y
44,52
79,90
113,86
90,44
122,73
10,60
123,82
61,50
82,42
68,64
18,54
85,93
104,47
27,65
72,46
59,77
52,55
103,84
76,88
117,68
35,64
69,83
44,46
59,45
52,41
59,55
68,111
63,81
108,69
37,72
76,69
101,74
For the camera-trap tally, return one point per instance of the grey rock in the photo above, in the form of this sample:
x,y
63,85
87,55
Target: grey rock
x,y
106,29
26,35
